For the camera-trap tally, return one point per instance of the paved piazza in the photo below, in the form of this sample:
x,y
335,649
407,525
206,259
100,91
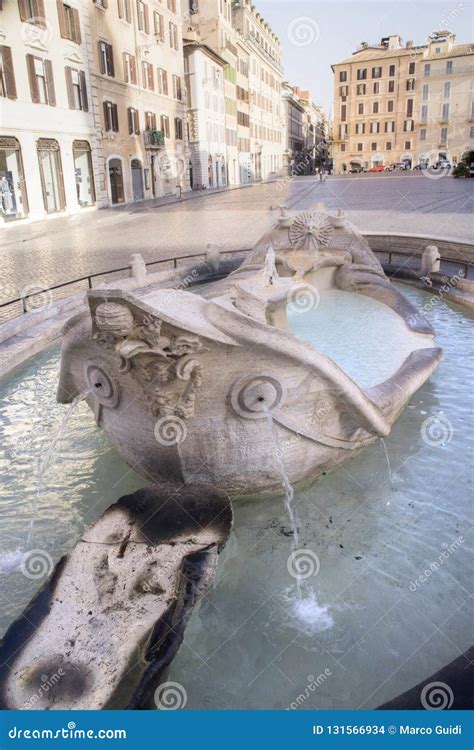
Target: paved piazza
x,y
60,249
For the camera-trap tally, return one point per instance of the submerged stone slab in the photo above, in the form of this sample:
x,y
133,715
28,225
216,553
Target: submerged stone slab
x,y
108,622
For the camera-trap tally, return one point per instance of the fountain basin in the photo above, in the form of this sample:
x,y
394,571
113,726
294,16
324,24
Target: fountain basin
x,y
182,382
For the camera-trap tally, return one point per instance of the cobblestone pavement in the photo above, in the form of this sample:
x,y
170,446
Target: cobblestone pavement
x,y
60,249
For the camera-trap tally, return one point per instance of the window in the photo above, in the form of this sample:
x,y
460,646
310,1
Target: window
x,y
40,74
165,125
374,127
409,107
443,137
407,145
85,191
391,87
124,10
159,26
147,76
388,146
343,146
427,70
343,76
133,121
449,67
171,5
391,71
33,12
373,146
150,121
177,90
424,113
360,128
69,25
162,81
343,90
447,90
142,15
178,128
361,89
445,113
342,131
76,89
343,112
15,200
377,72
390,126
425,92
360,109
423,134
173,35
129,68
390,105
111,117
7,74
359,147
471,132
362,74
376,87
51,175
408,126
106,59
411,68
410,84
375,108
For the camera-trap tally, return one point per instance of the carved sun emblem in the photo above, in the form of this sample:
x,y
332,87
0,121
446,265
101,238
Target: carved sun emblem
x,y
311,226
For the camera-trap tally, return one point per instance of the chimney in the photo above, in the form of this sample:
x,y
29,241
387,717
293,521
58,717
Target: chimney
x,y
409,44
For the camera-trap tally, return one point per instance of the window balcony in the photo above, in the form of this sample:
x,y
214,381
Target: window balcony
x,y
154,138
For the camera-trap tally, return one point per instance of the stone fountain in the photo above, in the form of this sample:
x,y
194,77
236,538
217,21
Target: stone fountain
x,y
183,382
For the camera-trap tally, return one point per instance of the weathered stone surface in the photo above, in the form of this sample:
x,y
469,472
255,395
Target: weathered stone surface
x,y
110,619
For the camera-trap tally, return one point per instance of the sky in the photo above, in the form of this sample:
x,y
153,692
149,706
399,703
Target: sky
x,y
315,34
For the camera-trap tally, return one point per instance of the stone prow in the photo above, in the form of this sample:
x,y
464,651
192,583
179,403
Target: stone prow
x,y
110,619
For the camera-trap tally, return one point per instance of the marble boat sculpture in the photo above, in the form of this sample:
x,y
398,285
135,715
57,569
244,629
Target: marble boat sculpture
x,y
197,386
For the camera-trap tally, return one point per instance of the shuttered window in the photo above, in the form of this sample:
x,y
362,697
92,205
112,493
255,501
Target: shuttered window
x,y
133,121
142,15
106,59
40,74
32,11
69,23
124,10
159,26
165,125
162,81
150,121
129,68
111,117
7,74
76,89
178,128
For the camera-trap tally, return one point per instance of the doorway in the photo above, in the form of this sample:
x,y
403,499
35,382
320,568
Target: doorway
x,y
51,173
116,181
137,180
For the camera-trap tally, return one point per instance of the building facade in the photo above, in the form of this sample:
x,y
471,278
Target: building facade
x,y
48,149
204,72
138,98
403,104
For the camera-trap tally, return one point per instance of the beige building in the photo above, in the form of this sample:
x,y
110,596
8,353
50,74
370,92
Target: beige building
x,y
48,149
138,96
395,103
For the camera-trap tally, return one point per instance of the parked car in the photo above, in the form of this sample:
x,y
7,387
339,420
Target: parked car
x,y
421,165
378,168
442,164
356,169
